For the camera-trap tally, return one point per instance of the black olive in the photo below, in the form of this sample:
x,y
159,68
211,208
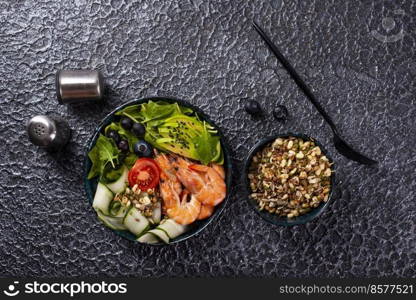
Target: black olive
x,y
126,123
143,149
253,107
280,113
112,134
123,145
138,129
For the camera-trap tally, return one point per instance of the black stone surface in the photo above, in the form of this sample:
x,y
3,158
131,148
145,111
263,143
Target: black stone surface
x,y
206,52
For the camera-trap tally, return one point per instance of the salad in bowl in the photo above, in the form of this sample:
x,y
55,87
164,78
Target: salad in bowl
x,y
157,171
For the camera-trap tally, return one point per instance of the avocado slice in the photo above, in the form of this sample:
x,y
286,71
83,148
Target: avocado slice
x,y
219,157
185,135
175,134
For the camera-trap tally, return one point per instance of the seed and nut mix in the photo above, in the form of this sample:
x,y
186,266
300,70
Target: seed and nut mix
x,y
290,176
146,202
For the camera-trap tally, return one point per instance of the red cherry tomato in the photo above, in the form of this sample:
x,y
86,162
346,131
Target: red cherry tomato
x,y
145,173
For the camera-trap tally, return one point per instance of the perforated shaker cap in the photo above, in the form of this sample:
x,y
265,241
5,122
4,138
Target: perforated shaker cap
x,y
42,131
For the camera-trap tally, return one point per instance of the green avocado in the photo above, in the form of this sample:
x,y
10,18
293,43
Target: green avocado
x,y
176,134
186,136
219,156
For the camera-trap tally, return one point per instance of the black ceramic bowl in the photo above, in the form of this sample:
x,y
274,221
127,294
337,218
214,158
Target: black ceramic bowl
x,y
272,218
196,227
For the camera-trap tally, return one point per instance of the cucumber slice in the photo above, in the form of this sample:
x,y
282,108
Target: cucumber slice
x,y
135,222
157,213
160,234
102,199
172,228
111,222
148,238
120,184
117,209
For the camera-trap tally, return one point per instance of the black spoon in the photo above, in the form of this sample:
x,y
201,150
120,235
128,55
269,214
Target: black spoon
x,y
339,143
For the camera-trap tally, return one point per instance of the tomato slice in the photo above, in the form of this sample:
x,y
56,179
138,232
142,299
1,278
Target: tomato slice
x,y
145,173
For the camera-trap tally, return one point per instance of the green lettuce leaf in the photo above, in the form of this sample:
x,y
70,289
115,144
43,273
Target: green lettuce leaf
x,y
110,174
172,128
132,112
157,110
125,134
107,150
206,146
96,163
151,111
104,152
130,159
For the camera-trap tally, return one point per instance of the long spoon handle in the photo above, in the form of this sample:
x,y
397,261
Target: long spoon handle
x,y
302,85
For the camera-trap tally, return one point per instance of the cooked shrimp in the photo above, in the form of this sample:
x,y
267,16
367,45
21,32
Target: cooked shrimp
x,y
204,188
219,169
192,180
185,212
180,162
170,187
214,189
206,212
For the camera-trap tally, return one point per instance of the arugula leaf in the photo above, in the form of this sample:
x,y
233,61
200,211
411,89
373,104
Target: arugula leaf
x,y
183,109
170,127
107,150
206,146
187,111
132,112
131,138
104,151
130,159
109,174
125,134
152,111
157,110
112,126
96,163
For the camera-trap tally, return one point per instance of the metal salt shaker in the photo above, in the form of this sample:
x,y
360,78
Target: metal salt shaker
x,y
51,133
79,86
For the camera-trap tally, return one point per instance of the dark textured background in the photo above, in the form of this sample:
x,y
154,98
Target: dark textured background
x,y
206,52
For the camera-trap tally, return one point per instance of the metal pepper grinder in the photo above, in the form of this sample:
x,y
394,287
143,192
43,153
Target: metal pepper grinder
x,y
51,133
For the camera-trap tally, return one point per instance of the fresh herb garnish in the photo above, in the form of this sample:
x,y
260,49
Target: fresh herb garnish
x,y
206,146
169,127
132,112
152,111
125,134
175,128
130,159
96,163
110,174
104,152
